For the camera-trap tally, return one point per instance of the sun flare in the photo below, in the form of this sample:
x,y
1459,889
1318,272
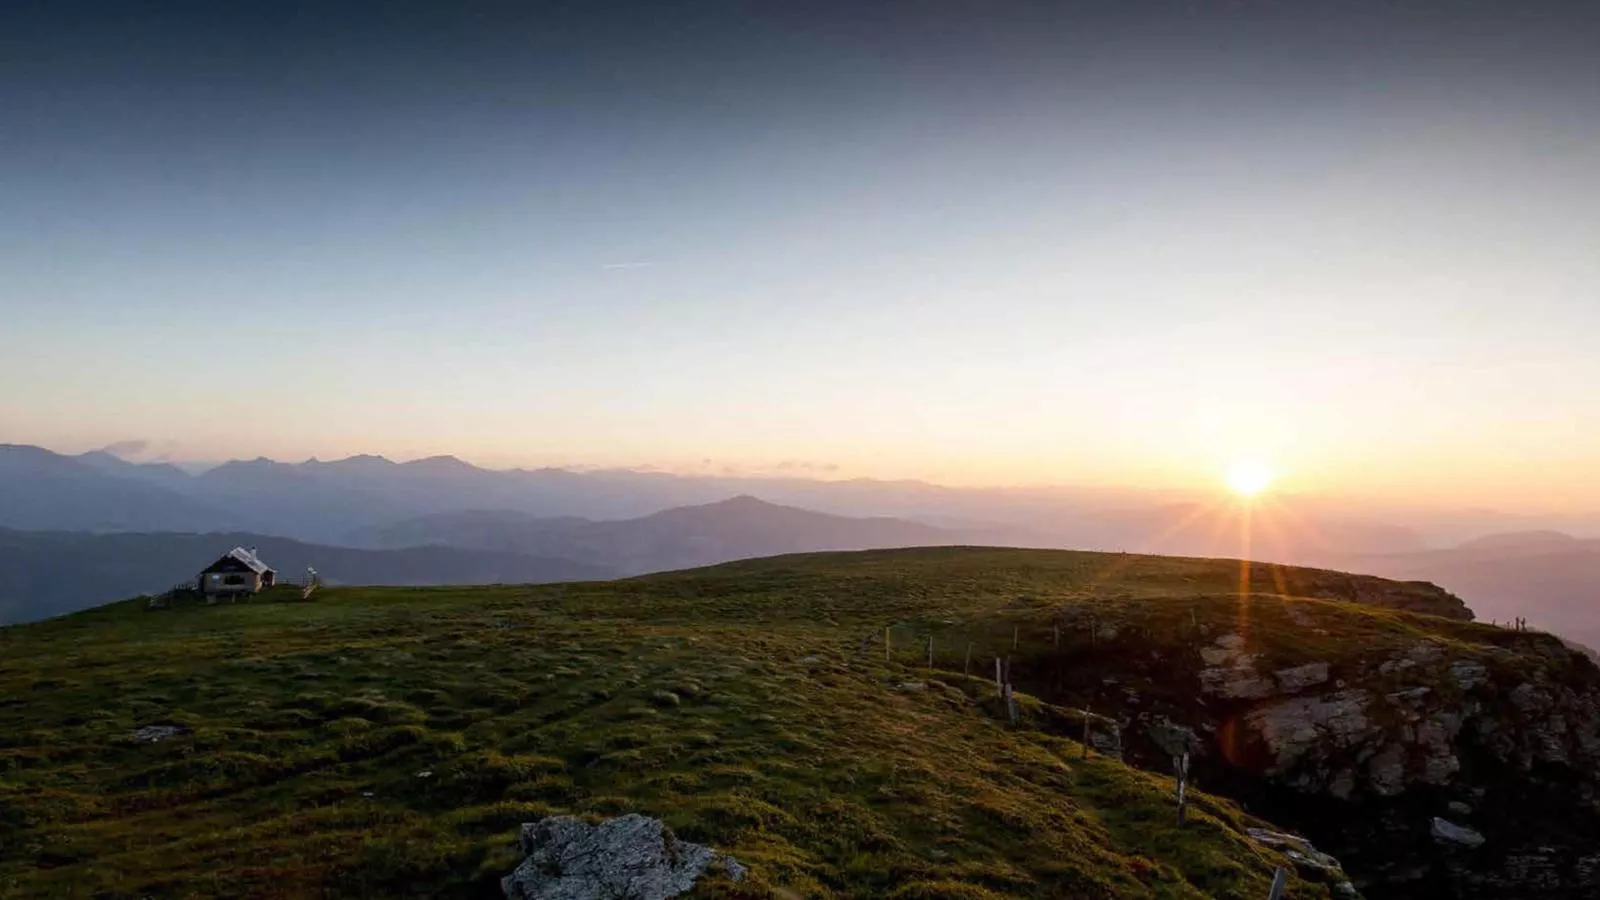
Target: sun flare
x,y
1248,477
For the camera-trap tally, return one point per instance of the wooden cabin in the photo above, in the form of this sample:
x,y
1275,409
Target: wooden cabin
x,y
238,573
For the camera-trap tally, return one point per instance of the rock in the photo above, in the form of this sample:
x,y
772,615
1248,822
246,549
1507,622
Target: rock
x,y
1173,739
1238,684
1232,671
1386,771
1468,675
1293,727
632,857
1425,653
1106,740
155,734
1301,677
1300,852
1448,832
1409,696
911,687
1529,699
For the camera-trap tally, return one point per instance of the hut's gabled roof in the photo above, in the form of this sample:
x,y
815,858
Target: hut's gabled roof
x,y
248,559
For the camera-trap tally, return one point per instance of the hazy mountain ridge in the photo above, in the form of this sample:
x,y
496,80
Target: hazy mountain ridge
x,y
327,501
604,518
682,537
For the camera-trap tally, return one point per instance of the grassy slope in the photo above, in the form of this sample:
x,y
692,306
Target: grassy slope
x,y
736,702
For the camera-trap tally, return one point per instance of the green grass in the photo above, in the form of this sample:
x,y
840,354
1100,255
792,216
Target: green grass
x,y
749,705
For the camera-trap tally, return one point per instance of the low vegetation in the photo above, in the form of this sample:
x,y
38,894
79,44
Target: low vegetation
x,y
391,740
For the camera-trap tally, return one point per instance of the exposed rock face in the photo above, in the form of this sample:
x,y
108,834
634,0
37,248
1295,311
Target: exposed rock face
x,y
1231,671
1412,596
1499,740
1299,678
628,858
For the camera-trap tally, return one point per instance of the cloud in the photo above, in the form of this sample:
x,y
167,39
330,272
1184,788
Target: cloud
x,y
806,465
611,267
124,449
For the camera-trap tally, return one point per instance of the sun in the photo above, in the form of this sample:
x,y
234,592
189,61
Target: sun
x,y
1249,477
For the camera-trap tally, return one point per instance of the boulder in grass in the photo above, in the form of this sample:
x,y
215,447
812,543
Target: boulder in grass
x,y
631,857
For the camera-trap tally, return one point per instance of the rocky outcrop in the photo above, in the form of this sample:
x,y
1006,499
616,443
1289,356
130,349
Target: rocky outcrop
x,y
1450,765
628,858
1411,596
1312,863
1231,672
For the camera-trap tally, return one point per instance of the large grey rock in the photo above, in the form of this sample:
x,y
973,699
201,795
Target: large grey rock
x,y
1293,727
632,857
1299,678
155,734
1449,832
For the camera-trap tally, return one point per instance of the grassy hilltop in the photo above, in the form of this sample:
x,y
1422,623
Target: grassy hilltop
x,y
390,741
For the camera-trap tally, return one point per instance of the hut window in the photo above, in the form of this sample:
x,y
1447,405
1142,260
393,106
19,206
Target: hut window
x,y
233,579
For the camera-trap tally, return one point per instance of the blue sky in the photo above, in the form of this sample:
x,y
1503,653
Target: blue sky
x,y
1016,243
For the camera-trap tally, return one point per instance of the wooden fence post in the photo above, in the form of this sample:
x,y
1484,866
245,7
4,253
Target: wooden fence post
x,y
1180,765
1014,631
886,644
930,651
998,684
1088,716
1280,880
966,664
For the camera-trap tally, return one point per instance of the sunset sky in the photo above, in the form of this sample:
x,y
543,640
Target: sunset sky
x,y
974,243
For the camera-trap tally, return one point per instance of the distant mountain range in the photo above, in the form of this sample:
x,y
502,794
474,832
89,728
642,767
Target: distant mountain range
x,y
681,538
354,500
624,522
45,574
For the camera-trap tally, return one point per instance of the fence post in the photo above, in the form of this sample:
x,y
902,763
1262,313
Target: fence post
x,y
930,651
998,684
886,644
966,664
1014,631
1180,765
1088,716
1280,880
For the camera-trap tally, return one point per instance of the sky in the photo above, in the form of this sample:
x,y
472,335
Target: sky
x,y
976,243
